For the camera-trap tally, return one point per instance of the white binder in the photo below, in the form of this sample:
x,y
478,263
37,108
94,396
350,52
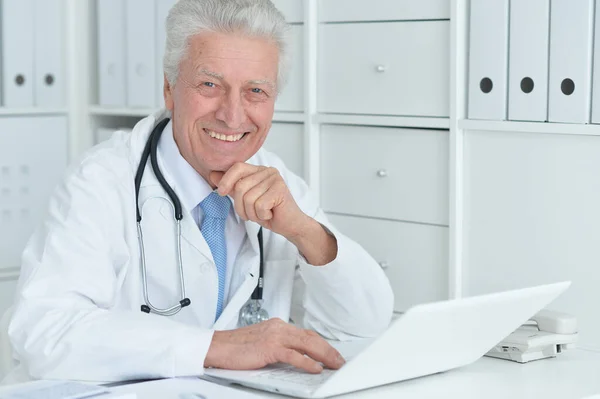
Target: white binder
x,y
596,71
528,60
17,52
141,58
488,51
162,10
49,83
569,87
111,53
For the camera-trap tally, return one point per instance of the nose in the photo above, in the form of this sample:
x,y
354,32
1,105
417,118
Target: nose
x,y
231,111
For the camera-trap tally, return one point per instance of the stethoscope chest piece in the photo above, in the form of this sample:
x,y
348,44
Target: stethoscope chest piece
x,y
252,313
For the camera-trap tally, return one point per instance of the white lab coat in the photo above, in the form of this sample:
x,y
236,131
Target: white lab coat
x,y
77,312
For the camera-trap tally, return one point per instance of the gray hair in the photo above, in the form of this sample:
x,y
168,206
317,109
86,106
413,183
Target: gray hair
x,y
257,18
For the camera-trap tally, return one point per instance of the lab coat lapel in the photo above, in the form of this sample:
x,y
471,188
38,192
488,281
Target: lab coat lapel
x,y
248,260
190,232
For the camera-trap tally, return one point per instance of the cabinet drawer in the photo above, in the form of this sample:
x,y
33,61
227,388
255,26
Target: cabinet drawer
x,y
292,96
414,256
383,10
396,68
292,10
287,141
385,172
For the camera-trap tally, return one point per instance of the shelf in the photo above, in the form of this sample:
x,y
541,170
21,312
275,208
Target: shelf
x,y
287,116
530,127
114,111
5,111
385,120
11,273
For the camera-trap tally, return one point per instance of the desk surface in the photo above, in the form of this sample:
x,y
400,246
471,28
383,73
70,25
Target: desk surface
x,y
575,374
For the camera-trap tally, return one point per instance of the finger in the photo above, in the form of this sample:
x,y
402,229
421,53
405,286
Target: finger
x,y
215,177
290,356
242,187
317,348
270,200
238,171
254,194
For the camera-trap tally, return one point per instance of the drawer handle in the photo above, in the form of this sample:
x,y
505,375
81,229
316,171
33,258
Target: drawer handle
x,y
384,264
380,68
382,173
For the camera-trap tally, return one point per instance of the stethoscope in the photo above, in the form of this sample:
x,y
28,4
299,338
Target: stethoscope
x,y
252,312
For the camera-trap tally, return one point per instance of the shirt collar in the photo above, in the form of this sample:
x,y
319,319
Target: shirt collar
x,y
189,185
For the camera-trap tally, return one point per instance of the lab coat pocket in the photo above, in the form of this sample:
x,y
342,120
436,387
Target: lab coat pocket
x,y
278,285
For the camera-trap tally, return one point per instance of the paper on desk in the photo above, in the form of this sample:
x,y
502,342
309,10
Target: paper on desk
x,y
57,389
178,388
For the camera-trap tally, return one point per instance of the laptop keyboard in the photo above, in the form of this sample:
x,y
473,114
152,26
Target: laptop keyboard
x,y
297,376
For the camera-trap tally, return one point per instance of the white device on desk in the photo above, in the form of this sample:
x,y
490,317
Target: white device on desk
x,y
551,333
427,339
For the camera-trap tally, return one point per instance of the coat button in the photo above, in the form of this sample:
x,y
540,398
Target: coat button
x,y
205,268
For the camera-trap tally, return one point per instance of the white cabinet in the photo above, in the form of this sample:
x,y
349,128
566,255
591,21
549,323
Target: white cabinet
x,y
7,294
396,68
33,157
383,10
413,256
287,141
533,217
293,10
385,172
291,97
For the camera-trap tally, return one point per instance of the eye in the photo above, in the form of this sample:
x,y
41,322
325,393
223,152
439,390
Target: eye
x,y
209,84
257,90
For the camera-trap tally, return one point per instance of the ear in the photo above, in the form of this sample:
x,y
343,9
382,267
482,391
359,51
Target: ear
x,y
168,94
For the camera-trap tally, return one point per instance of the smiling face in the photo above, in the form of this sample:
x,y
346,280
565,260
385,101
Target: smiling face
x,y
222,103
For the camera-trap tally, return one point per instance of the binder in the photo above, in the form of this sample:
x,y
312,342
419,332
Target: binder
x,y
111,53
141,54
569,86
17,52
528,60
596,70
488,49
162,10
49,83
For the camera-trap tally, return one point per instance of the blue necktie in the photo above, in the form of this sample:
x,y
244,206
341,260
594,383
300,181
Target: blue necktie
x,y
216,209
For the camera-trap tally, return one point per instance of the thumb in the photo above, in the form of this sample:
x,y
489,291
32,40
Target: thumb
x,y
215,177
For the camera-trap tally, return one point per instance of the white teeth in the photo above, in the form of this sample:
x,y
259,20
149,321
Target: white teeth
x,y
224,137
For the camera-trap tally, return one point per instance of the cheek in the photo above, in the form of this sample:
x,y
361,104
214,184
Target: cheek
x,y
262,116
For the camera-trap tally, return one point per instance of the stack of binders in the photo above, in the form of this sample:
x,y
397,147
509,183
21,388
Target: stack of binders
x,y
532,61
131,40
32,56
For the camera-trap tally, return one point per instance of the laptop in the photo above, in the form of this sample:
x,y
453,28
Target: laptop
x,y
427,339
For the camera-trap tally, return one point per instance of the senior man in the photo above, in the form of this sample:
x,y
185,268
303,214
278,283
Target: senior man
x,y
87,269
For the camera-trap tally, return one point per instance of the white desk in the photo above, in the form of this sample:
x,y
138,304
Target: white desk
x,y
573,375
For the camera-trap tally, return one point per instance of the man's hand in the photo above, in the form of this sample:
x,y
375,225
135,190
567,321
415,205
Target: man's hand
x,y
261,195
272,341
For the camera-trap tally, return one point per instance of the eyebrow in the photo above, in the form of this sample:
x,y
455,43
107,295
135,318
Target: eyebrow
x,y
263,82
211,73
217,75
